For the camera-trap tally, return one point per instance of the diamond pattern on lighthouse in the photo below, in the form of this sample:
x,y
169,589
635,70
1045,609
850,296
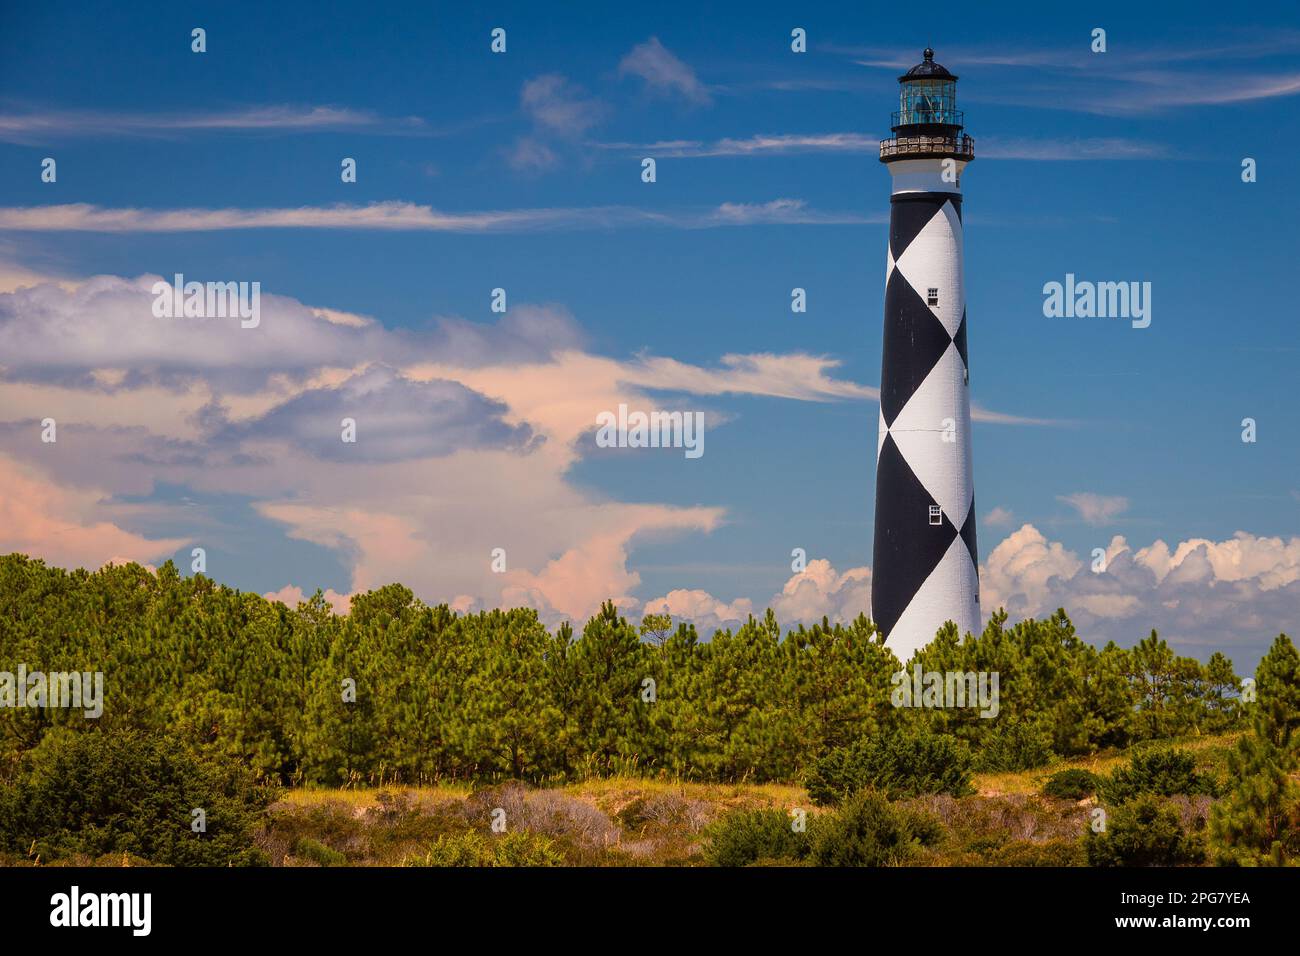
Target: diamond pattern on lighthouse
x,y
925,569
927,261
919,433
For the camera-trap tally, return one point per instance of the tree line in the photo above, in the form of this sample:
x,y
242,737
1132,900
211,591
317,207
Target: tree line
x,y
397,691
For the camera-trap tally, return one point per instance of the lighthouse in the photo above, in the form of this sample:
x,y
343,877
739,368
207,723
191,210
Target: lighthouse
x,y
925,565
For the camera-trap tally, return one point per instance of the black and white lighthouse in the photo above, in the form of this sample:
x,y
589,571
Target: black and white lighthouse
x,y
925,566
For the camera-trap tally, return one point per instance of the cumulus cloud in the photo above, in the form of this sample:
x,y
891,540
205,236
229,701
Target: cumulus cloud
x,y
102,333
663,72
700,607
1095,509
820,591
1201,595
816,592
574,584
394,417
60,524
467,433
1019,573
292,595
53,333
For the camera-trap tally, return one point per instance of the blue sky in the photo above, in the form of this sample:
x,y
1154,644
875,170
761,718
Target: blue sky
x,y
1123,165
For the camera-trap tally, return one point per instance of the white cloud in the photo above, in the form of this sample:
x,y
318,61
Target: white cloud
x,y
776,144
1019,573
662,71
559,105
1095,509
783,144
700,607
819,591
1237,593
998,517
1068,150
531,155
106,322
1143,79
239,413
292,595
409,217
1201,595
777,211
39,126
63,525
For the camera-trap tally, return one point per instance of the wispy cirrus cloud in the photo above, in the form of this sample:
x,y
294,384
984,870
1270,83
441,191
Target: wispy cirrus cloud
x,y
757,145
557,104
663,72
1069,150
787,211
560,112
42,125
784,144
1125,80
405,216
1135,94
795,376
998,517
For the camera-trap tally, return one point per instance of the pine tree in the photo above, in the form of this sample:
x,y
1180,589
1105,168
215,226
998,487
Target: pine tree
x,y
1259,822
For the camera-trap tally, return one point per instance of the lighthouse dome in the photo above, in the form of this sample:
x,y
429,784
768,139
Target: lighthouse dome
x,y
927,69
928,124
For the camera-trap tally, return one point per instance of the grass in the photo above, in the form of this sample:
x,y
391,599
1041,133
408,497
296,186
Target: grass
x,y
635,821
363,799
1210,750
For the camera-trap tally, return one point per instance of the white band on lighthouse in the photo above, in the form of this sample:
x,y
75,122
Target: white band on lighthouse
x,y
926,176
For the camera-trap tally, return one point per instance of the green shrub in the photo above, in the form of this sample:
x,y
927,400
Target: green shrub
x,y
1012,746
90,793
902,763
870,831
1162,771
1022,853
1072,784
1143,833
747,837
318,853
473,848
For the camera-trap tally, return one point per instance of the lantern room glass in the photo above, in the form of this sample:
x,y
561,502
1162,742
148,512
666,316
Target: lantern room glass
x,y
928,102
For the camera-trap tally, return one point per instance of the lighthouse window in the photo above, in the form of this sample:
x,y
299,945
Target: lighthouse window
x,y
932,297
936,514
